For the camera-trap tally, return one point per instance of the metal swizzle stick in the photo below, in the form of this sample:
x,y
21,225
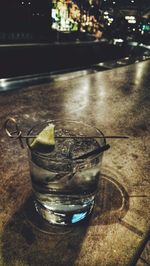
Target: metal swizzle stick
x,y
17,133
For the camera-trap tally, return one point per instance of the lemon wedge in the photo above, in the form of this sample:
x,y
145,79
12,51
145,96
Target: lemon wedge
x,y
45,137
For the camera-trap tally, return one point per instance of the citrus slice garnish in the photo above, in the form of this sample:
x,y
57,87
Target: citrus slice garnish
x,y
45,137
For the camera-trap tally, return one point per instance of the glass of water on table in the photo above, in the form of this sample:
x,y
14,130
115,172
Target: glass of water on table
x,y
65,159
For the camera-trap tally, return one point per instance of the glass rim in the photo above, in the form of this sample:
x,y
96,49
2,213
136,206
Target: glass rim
x,y
97,130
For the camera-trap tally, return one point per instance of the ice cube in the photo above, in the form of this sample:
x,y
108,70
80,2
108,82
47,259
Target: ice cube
x,y
42,175
85,180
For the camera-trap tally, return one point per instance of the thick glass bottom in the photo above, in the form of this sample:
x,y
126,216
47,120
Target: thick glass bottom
x,y
57,217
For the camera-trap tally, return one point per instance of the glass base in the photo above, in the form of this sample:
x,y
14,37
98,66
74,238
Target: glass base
x,y
36,218
64,217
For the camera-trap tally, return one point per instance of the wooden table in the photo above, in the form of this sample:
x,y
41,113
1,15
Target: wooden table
x,y
118,102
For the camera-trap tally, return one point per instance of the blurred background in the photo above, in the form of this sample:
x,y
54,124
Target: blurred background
x,y
42,36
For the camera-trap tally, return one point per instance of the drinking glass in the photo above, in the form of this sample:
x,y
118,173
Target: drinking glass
x,y
65,176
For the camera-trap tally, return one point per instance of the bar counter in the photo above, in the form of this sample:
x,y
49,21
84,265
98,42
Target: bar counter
x,y
117,102
23,59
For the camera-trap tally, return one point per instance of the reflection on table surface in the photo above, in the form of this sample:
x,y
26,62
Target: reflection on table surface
x,y
117,102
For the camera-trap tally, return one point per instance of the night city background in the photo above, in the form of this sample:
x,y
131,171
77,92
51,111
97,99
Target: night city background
x,y
69,20
43,36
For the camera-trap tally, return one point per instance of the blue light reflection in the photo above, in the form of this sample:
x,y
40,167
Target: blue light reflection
x,y
77,217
